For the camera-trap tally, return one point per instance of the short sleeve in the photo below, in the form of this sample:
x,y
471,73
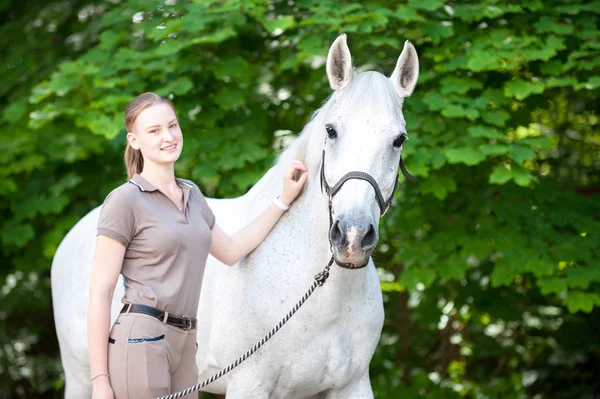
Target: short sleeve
x,y
208,213
117,219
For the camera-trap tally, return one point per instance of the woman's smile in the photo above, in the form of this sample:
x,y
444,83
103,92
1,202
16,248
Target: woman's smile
x,y
170,148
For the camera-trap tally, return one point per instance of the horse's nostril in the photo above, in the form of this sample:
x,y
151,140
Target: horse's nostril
x,y
335,235
370,238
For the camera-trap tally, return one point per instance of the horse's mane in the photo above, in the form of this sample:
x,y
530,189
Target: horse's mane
x,y
370,85
306,147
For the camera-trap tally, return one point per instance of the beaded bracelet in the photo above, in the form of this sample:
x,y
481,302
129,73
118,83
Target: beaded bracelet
x,y
98,375
280,204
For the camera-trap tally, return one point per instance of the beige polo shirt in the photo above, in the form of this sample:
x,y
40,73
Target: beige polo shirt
x,y
166,249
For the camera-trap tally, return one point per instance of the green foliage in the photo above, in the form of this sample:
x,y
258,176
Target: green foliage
x,y
490,264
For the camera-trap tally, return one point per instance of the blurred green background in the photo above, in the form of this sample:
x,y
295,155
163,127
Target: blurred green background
x,y
489,265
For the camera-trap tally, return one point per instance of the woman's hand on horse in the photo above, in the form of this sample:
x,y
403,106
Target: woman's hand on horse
x,y
293,181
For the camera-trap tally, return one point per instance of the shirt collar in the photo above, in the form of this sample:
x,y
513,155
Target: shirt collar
x,y
142,184
145,185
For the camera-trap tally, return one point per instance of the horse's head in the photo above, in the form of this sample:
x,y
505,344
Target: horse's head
x,y
364,131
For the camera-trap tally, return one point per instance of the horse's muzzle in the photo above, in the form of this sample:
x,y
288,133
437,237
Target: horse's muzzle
x,y
352,241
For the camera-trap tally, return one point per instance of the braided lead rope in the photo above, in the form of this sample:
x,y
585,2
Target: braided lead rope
x,y
320,279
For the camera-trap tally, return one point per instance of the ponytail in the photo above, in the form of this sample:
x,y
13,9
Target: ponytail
x,y
134,161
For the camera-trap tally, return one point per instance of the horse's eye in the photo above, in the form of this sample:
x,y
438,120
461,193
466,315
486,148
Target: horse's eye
x,y
400,140
331,133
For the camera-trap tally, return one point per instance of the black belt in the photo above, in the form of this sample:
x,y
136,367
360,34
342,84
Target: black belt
x,y
183,322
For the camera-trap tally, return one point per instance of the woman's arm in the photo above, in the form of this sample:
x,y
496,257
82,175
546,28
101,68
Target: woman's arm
x,y
230,249
108,259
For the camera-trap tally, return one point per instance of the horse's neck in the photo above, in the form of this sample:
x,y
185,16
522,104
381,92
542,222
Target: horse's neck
x,y
299,247
308,216
268,186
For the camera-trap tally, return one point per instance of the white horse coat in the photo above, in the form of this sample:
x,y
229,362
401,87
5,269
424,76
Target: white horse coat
x,y
325,349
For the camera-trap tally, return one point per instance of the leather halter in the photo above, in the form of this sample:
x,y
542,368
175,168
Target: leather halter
x,y
384,205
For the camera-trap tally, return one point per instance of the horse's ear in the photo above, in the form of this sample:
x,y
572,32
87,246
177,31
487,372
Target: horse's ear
x,y
406,73
339,64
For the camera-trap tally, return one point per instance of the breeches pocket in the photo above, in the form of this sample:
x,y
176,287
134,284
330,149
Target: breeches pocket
x,y
148,361
137,357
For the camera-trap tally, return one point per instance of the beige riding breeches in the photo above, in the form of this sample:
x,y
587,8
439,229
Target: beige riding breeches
x,y
148,358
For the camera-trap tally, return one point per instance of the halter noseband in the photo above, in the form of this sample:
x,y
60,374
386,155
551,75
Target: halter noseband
x,y
383,204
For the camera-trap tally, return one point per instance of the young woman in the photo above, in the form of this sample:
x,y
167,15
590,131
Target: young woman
x,y
157,230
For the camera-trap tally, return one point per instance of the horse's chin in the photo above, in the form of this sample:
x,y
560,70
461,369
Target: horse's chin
x,y
351,262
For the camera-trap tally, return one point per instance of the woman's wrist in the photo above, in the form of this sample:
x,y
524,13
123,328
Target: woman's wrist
x,y
280,204
100,378
285,200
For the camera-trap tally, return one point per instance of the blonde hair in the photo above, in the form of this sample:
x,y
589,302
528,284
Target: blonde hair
x,y
134,160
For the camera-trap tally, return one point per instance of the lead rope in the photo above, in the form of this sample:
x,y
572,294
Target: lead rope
x,y
320,279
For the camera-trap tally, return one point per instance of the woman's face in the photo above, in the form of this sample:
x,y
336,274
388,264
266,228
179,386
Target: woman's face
x,y
156,133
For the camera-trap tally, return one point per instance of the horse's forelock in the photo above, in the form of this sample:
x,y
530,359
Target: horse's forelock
x,y
371,93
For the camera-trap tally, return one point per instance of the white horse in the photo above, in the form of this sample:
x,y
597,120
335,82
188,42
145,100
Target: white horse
x,y
325,349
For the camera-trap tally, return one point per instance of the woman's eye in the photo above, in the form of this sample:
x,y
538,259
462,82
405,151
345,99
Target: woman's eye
x,y
331,133
399,140
154,131
173,125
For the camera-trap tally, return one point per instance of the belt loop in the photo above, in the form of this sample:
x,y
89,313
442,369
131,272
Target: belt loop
x,y
166,317
128,308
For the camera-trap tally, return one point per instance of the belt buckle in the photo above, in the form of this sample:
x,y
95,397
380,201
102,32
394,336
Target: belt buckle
x,y
187,323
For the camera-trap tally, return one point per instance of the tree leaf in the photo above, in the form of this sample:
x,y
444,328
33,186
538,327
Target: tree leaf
x,y
407,14
467,155
521,153
429,5
521,89
439,186
497,117
454,268
229,98
500,175
552,285
279,25
521,176
491,149
581,301
414,275
484,131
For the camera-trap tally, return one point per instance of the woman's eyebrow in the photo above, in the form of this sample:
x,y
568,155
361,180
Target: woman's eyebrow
x,y
171,121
